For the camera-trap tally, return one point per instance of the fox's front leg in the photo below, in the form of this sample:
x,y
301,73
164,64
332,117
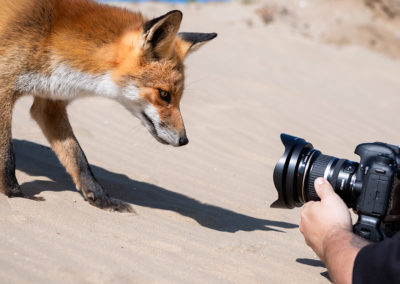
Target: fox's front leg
x,y
52,118
8,182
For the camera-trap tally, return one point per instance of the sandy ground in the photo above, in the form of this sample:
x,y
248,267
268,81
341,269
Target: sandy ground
x,y
373,24
203,210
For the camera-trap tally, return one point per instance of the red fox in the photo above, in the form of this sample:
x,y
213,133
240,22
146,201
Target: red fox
x,y
60,50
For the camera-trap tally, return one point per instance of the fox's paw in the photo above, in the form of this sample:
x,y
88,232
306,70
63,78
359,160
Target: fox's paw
x,y
108,203
14,191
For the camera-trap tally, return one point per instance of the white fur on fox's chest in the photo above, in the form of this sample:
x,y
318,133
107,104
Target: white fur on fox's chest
x,y
65,83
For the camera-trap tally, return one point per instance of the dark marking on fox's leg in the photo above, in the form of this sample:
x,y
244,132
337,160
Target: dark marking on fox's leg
x,y
52,118
93,191
10,183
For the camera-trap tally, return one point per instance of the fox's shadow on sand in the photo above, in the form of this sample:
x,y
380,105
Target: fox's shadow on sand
x,y
38,160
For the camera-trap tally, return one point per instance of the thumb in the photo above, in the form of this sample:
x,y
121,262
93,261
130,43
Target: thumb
x,y
323,188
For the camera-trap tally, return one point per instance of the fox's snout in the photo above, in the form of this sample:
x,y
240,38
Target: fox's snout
x,y
170,131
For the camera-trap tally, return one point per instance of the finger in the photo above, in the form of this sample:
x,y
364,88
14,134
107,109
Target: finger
x,y
323,188
309,203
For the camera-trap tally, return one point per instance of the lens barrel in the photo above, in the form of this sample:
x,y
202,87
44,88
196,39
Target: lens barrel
x,y
320,168
299,167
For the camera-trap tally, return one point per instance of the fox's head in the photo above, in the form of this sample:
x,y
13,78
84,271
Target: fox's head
x,y
150,69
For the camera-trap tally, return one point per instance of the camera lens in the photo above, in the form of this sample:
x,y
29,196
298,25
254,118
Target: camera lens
x,y
300,165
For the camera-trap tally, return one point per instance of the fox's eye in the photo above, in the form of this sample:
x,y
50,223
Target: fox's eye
x,y
165,96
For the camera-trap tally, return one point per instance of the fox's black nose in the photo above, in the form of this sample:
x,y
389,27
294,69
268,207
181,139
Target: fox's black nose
x,y
183,141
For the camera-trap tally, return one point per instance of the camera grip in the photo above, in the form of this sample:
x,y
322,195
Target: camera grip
x,y
367,227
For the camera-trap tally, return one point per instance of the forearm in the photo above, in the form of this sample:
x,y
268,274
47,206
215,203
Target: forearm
x,y
340,249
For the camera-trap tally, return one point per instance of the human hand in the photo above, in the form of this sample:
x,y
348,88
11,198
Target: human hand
x,y
321,219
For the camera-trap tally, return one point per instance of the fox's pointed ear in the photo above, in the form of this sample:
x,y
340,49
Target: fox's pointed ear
x,y
160,33
190,42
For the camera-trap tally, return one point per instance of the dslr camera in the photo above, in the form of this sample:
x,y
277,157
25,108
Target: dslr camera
x,y
371,188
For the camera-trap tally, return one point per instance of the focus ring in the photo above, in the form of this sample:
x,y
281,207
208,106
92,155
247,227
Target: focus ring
x,y
317,170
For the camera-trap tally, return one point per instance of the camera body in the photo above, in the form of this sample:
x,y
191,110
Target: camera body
x,y
371,188
376,190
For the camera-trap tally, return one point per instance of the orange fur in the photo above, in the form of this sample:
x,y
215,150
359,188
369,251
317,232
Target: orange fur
x,y
58,50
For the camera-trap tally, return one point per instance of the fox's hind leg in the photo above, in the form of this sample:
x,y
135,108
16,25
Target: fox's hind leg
x,y
8,182
52,118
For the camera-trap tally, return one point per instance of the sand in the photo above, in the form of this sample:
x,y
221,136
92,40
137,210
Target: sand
x,y
203,211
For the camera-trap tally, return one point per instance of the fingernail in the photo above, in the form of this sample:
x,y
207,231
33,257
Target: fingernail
x,y
320,181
